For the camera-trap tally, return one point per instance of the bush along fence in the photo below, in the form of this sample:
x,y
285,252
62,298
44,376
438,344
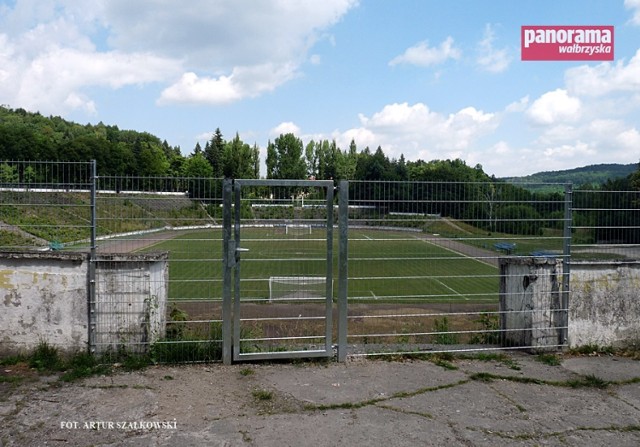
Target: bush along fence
x,y
200,269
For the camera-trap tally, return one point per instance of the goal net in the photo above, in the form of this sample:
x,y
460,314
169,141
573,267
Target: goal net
x,y
298,288
297,229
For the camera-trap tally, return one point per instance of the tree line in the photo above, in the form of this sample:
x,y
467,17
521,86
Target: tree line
x,y
456,190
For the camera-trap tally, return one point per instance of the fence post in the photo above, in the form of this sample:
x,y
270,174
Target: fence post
x,y
228,260
343,259
92,263
566,261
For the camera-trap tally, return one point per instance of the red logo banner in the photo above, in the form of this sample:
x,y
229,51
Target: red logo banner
x,y
567,43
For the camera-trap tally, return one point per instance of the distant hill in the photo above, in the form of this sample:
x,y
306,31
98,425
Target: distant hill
x,y
588,175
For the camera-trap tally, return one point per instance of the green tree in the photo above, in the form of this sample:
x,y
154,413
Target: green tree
x,y
197,166
239,160
214,152
152,161
311,159
284,158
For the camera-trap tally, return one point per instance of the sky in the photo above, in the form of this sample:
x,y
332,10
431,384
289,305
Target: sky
x,y
428,79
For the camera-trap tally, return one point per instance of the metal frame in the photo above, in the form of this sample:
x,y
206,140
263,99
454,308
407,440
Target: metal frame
x,y
232,195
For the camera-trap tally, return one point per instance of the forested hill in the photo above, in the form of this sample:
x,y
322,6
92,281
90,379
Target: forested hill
x,y
31,136
591,175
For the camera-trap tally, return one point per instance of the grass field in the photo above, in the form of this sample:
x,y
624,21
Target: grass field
x,y
384,266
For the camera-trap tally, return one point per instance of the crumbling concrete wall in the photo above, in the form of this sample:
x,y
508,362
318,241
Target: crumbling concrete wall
x,y
530,302
604,308
603,303
45,298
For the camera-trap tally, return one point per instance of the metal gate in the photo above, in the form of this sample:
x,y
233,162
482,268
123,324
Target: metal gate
x,y
278,269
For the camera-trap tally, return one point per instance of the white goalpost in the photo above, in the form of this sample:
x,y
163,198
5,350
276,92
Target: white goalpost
x,y
297,229
298,288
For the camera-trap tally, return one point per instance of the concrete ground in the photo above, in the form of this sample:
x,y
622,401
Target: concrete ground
x,y
481,400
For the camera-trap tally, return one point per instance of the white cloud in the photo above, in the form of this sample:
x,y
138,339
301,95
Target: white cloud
x,y
285,128
243,82
423,55
417,132
489,58
579,149
554,107
51,51
605,78
634,5
222,34
518,106
231,52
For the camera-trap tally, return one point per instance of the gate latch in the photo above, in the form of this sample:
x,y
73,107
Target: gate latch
x,y
233,254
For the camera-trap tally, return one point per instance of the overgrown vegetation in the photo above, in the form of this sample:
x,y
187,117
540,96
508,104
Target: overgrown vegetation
x,y
444,336
47,359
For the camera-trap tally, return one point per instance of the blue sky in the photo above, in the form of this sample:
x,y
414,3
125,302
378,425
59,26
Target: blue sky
x,y
428,79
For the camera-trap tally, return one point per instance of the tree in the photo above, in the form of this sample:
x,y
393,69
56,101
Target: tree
x,y
311,158
152,161
213,153
284,158
635,179
239,159
197,166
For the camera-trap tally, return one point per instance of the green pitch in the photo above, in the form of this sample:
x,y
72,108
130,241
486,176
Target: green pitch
x,y
384,266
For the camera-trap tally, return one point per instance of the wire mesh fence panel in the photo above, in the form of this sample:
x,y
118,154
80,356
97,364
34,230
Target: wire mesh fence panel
x,y
605,267
606,224
284,290
164,297
425,263
432,266
45,205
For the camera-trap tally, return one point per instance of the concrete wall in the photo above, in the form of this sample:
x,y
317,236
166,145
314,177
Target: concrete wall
x,y
45,298
131,296
530,302
604,308
604,303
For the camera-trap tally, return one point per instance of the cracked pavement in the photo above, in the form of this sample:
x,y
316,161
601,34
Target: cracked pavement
x,y
509,398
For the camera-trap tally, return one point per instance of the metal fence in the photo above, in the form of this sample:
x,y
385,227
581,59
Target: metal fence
x,y
424,261
420,263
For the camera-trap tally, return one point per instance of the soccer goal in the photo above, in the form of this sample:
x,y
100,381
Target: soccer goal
x,y
297,229
298,288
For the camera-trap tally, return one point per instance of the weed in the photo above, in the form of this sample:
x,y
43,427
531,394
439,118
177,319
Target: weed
x,y
444,337
262,394
482,377
549,359
489,326
589,381
591,349
444,360
13,360
133,362
247,372
46,358
176,327
83,365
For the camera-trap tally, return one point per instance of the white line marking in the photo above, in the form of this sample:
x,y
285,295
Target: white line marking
x,y
454,291
427,241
